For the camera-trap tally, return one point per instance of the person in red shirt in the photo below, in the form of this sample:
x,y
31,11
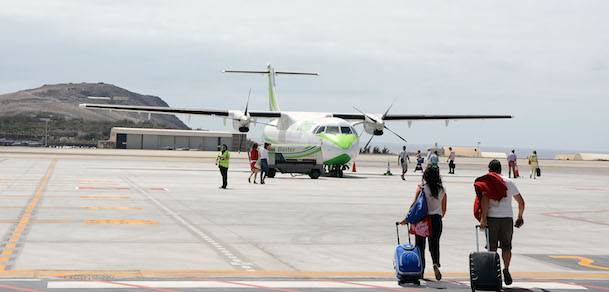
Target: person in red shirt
x,y
254,155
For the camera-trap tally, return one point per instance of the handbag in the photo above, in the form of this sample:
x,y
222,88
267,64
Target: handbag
x,y
257,165
422,228
418,210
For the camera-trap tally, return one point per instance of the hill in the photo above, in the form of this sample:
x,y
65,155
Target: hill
x,y
62,100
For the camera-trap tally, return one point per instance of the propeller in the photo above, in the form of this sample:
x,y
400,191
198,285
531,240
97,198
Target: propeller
x,y
380,122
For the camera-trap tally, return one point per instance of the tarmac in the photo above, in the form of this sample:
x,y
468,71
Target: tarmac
x,y
89,220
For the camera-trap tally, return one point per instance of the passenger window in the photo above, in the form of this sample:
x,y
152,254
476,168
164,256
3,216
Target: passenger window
x,y
315,130
345,130
332,130
353,130
320,130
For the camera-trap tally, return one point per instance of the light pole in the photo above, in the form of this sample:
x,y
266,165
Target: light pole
x,y
46,129
479,153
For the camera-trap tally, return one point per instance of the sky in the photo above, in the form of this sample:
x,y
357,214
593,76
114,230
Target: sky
x,y
544,62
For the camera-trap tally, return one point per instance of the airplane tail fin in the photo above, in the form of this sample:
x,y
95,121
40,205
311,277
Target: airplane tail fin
x,y
271,73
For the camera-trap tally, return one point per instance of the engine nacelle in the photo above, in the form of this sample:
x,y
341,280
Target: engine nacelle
x,y
374,127
241,122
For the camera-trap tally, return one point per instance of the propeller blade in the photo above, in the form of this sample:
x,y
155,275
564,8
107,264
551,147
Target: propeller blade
x,y
385,115
395,134
248,101
371,118
368,142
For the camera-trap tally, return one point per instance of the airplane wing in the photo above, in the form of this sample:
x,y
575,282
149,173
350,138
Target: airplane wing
x,y
397,117
173,111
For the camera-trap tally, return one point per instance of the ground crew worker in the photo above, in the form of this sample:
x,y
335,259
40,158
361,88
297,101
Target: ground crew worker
x,y
222,162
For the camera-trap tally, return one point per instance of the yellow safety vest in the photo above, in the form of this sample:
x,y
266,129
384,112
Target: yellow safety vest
x,y
224,162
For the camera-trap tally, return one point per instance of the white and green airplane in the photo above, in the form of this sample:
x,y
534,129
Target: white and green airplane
x,y
331,133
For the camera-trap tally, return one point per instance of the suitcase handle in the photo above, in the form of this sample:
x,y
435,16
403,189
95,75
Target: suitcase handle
x,y
488,240
397,230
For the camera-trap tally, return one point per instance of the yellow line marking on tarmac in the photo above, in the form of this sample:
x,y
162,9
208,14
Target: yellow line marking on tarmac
x,y
586,262
18,229
16,234
2,267
11,245
13,239
102,197
7,252
4,259
121,222
111,208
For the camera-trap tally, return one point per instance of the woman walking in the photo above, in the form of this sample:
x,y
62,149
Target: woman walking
x,y
264,161
534,164
253,160
435,195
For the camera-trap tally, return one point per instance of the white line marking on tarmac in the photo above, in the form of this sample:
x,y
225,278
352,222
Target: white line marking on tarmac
x,y
540,285
209,284
194,229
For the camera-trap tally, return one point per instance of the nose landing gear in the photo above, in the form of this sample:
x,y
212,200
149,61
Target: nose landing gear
x,y
335,170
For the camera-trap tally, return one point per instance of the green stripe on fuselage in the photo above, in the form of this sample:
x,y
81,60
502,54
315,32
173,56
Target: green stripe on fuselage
x,y
343,141
338,160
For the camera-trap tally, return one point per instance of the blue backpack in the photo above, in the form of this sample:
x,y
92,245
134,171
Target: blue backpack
x,y
419,209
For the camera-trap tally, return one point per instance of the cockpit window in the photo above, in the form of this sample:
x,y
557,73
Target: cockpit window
x,y
346,130
332,130
320,130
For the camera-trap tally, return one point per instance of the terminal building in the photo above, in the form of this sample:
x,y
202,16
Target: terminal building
x,y
169,139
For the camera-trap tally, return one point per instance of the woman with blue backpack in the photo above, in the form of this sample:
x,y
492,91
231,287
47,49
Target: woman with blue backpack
x,y
435,196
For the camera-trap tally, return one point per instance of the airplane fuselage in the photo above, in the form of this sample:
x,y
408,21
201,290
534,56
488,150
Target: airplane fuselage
x,y
337,137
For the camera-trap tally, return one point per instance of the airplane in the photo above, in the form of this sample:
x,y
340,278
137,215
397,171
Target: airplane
x,y
333,133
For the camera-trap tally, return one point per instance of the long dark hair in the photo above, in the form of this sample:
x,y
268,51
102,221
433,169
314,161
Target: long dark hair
x,y
431,177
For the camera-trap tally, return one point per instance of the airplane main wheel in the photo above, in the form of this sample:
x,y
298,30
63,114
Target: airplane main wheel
x,y
315,173
272,173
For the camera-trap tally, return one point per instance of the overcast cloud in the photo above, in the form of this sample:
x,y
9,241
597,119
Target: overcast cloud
x,y
545,62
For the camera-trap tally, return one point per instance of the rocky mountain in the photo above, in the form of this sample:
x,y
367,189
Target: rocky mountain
x,y
63,100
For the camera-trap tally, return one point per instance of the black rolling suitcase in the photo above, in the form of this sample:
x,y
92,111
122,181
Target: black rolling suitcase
x,y
484,267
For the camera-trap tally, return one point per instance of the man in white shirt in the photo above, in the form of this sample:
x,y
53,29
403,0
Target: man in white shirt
x,y
402,160
451,161
264,162
428,155
498,217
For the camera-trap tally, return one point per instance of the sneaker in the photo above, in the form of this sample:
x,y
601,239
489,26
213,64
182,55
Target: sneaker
x,y
249,180
403,177
436,270
507,277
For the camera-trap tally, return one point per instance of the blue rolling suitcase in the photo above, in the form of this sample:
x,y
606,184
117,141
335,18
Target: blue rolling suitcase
x,y
407,261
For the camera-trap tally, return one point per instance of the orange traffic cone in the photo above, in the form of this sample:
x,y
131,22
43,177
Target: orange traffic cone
x,y
353,169
388,169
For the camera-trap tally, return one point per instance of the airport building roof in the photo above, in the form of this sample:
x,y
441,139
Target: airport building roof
x,y
170,132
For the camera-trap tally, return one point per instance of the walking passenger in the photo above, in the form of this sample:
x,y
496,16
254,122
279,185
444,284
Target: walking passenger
x,y
428,155
264,161
254,156
496,212
451,161
533,161
222,162
434,159
435,195
512,164
402,160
